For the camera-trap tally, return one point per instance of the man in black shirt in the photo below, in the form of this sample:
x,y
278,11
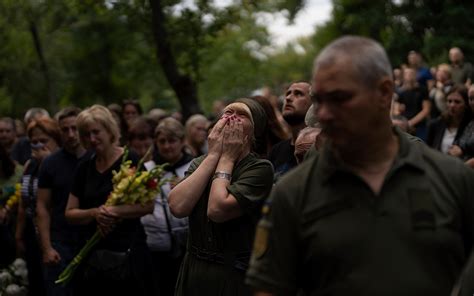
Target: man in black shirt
x,y
58,239
297,103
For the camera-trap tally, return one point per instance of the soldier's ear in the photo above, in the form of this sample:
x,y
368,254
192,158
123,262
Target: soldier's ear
x,y
385,88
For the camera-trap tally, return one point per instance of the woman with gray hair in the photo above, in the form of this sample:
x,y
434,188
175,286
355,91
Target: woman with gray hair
x,y
120,226
166,234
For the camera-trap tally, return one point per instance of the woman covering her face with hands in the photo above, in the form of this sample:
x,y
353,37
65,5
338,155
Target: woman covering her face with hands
x,y
222,194
45,138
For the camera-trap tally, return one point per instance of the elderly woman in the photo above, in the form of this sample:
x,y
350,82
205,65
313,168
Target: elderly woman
x,y
118,265
44,137
222,195
166,234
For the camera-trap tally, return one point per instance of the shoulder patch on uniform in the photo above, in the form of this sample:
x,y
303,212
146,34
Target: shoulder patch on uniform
x,y
260,244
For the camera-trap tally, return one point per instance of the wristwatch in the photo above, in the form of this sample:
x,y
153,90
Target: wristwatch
x,y
222,175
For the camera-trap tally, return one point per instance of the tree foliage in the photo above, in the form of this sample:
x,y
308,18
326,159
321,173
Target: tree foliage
x,y
105,51
431,27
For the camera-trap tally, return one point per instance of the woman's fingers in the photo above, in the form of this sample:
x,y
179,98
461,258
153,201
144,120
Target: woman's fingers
x,y
220,125
105,218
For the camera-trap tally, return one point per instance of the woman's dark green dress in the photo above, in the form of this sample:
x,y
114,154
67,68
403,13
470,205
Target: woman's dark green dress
x,y
218,253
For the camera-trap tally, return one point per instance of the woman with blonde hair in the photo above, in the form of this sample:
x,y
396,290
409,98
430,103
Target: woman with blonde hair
x,y
438,94
196,135
119,265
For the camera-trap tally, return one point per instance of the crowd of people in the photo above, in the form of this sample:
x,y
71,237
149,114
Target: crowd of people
x,y
334,188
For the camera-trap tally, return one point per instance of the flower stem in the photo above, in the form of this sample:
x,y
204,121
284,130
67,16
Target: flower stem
x,y
67,274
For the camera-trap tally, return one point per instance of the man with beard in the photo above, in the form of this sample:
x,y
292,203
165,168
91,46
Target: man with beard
x,y
374,213
297,102
59,239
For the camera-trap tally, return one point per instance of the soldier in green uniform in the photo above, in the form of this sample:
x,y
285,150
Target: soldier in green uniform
x,y
222,195
374,213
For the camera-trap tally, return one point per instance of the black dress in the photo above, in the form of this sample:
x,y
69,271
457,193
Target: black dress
x,y
92,188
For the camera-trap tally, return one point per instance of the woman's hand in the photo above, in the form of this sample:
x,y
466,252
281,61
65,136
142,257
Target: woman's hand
x,y
106,220
455,150
215,137
51,257
233,140
3,216
470,162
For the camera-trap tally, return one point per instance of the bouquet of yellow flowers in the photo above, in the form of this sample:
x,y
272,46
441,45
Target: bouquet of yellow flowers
x,y
130,186
9,196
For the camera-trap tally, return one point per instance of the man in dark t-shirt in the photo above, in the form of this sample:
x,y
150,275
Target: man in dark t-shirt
x,y
423,74
297,103
59,239
21,150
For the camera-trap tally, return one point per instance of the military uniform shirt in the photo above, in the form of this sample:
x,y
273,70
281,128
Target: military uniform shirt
x,y
231,240
329,234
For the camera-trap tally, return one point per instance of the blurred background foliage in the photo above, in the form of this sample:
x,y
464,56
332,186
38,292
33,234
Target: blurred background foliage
x,y
58,53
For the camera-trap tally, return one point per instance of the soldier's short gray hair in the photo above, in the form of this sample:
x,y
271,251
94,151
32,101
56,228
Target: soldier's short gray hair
x,y
369,60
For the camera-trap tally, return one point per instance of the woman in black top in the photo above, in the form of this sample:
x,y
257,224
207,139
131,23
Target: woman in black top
x,y
464,146
45,139
119,225
446,130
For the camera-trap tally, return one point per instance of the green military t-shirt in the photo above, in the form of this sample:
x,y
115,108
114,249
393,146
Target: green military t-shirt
x,y
218,253
327,233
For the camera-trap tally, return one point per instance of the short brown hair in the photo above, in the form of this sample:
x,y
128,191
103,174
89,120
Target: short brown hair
x,y
48,126
141,126
67,112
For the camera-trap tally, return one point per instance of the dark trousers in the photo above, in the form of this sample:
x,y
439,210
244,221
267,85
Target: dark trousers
x,y
165,272
139,283
7,245
52,272
33,260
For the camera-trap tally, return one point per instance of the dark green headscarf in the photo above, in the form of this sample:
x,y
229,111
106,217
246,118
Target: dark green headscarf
x,y
259,123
